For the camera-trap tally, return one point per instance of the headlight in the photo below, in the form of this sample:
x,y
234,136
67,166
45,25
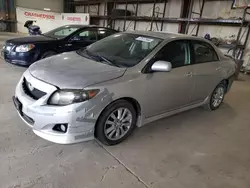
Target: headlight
x,y
67,96
25,47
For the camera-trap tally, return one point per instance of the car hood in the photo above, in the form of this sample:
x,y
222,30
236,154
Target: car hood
x,y
30,39
72,71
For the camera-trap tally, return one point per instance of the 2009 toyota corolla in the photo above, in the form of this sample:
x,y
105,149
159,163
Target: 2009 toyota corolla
x,y
123,81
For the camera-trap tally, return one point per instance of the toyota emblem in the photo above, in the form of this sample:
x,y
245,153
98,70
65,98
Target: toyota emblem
x,y
31,88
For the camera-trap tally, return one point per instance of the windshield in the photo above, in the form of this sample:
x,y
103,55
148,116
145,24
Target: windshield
x,y
123,49
61,32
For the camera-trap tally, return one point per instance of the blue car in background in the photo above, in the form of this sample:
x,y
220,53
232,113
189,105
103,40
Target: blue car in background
x,y
26,50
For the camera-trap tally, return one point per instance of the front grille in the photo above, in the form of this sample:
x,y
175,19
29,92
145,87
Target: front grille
x,y
6,57
33,93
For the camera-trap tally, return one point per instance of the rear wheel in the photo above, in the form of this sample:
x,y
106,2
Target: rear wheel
x,y
217,97
116,123
48,54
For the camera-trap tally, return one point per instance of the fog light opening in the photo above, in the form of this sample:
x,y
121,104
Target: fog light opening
x,y
61,128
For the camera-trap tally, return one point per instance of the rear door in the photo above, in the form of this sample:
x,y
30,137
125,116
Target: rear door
x,y
206,70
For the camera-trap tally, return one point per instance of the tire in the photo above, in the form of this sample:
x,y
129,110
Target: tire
x,y
48,54
105,130
220,91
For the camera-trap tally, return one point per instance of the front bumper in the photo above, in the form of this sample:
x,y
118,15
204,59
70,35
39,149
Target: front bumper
x,y
230,82
20,58
42,117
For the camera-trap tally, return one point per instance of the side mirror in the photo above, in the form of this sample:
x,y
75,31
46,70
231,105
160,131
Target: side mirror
x,y
161,66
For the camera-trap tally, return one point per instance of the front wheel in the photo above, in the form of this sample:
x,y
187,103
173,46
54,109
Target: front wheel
x,y
217,97
116,122
48,54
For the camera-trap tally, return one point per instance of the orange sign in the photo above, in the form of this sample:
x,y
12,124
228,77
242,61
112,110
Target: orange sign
x,y
39,15
78,19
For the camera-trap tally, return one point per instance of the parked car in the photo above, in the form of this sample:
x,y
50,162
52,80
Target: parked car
x,y
121,82
26,50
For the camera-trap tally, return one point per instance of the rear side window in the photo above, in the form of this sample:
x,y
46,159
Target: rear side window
x,y
104,33
86,35
204,52
176,52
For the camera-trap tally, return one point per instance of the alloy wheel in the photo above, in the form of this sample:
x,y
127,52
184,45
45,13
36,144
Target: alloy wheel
x,y
218,96
118,124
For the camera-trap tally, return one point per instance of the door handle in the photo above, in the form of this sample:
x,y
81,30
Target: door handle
x,y
218,69
190,74
68,44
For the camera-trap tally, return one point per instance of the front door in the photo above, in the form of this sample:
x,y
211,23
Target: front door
x,y
206,70
167,91
81,39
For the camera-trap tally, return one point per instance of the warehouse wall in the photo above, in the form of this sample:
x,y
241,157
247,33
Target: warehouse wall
x,y
4,6
221,9
173,9
54,5
218,9
7,12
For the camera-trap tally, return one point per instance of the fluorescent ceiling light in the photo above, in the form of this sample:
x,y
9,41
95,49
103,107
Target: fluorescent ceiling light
x,y
47,9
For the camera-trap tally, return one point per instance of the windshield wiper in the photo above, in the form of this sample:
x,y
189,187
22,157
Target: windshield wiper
x,y
84,52
97,57
107,60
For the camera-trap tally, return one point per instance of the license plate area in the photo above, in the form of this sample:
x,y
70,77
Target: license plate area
x,y
18,105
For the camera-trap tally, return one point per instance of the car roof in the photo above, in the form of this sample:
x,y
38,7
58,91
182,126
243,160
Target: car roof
x,y
84,26
162,35
169,36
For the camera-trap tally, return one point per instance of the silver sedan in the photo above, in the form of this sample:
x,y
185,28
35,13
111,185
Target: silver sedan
x,y
119,83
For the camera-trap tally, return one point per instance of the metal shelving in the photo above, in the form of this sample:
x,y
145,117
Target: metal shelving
x,y
237,48
106,15
8,15
204,21
95,2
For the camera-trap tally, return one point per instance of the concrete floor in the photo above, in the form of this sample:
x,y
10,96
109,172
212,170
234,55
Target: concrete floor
x,y
195,149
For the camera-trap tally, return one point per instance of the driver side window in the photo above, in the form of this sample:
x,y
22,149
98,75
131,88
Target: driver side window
x,y
86,35
65,32
175,52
